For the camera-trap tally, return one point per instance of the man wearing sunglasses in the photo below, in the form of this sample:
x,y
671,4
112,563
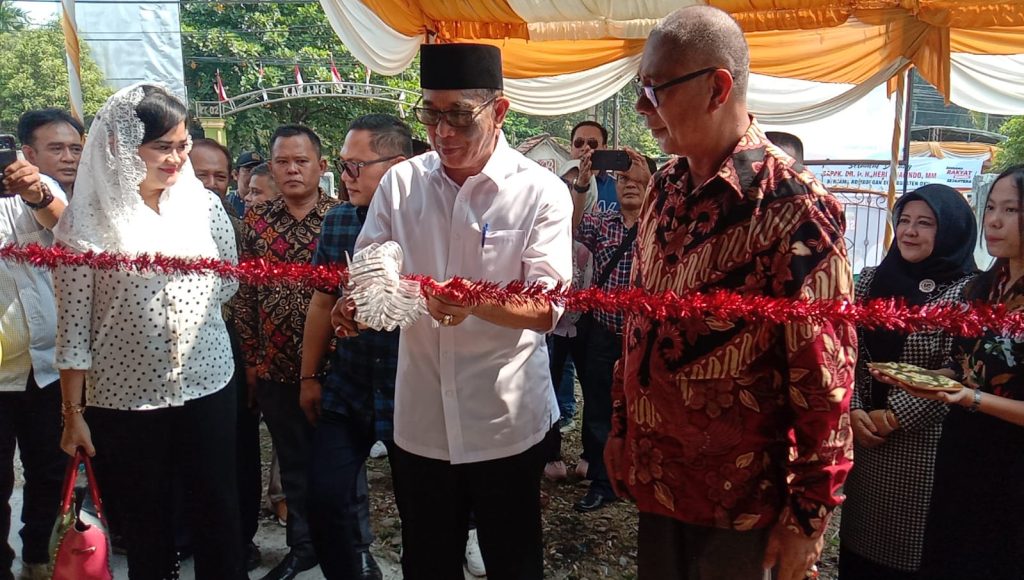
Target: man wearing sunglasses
x,y
733,437
585,138
473,397
352,405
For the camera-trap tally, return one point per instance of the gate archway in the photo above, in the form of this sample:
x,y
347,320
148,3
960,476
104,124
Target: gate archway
x,y
211,114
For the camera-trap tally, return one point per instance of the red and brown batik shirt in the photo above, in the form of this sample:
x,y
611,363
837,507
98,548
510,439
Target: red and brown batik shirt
x,y
270,319
738,424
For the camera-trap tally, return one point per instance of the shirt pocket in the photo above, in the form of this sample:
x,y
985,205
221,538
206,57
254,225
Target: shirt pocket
x,y
502,255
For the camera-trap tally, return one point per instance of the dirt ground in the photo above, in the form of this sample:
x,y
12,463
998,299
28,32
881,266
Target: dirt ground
x,y
601,544
579,546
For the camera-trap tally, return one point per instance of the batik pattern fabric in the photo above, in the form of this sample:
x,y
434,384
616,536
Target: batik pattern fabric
x,y
738,424
270,319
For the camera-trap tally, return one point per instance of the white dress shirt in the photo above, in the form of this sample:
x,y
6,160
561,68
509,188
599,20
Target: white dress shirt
x,y
148,342
477,391
28,315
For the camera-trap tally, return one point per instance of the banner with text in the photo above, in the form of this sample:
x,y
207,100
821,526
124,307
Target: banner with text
x,y
956,172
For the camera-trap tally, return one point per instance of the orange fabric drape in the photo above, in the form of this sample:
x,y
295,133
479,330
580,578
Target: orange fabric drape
x,y
850,53
987,41
939,149
450,19
523,59
844,41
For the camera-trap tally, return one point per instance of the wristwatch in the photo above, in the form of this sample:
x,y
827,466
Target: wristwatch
x,y
580,188
42,203
976,403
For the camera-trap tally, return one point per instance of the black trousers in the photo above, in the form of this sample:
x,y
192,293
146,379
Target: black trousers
x,y
672,550
435,499
853,566
249,474
142,451
558,354
30,420
338,499
595,354
293,438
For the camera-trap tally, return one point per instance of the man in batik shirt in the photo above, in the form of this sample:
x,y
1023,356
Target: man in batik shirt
x,y
271,319
707,411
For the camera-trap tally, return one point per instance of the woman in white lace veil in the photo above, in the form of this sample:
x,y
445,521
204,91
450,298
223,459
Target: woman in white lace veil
x,y
109,214
145,357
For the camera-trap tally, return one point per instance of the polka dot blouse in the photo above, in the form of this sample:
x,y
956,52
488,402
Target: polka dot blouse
x,y
147,342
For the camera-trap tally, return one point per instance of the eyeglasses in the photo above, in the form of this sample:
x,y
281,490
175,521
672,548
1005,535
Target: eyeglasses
x,y
650,93
592,143
352,168
454,118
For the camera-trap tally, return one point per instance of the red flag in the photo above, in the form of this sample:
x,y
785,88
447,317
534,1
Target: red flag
x,y
335,75
259,82
298,75
218,87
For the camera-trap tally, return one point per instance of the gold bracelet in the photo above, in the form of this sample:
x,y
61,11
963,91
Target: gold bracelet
x,y
71,409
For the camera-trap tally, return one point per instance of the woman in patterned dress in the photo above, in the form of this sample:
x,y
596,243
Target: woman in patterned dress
x,y
895,433
975,527
145,359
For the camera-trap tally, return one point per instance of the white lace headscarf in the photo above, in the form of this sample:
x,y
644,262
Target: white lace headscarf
x,y
107,212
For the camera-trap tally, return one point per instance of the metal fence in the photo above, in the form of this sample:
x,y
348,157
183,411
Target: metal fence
x,y
866,217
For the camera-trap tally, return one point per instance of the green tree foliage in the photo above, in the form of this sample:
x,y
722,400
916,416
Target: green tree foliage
x,y
1012,152
237,38
33,75
12,19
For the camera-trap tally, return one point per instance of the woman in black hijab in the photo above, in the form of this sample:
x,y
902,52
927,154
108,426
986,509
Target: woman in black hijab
x,y
895,433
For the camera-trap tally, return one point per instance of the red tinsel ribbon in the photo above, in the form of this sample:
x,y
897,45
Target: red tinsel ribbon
x,y
891,314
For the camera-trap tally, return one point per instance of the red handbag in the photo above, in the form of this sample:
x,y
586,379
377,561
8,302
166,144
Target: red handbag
x,y
79,543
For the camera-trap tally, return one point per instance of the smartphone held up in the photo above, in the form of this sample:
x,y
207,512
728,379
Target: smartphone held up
x,y
610,160
8,155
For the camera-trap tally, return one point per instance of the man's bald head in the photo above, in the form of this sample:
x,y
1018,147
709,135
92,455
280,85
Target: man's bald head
x,y
708,37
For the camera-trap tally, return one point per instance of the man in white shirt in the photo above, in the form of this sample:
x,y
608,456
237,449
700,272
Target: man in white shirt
x,y
29,391
473,396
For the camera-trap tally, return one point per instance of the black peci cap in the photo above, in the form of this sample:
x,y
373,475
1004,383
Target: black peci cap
x,y
460,66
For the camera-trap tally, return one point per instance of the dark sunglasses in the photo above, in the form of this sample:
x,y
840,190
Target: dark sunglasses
x,y
650,92
592,143
352,168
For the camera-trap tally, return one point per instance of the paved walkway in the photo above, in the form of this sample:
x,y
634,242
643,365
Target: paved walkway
x,y
270,539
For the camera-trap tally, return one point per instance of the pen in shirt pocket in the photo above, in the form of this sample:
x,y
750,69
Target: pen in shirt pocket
x,y
483,234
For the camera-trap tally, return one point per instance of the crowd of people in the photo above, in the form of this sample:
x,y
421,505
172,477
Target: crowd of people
x,y
737,440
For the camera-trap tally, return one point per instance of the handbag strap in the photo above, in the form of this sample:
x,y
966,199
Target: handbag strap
x,y
69,484
620,251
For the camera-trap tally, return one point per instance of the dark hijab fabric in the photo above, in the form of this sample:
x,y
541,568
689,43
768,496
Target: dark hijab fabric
x,y
951,259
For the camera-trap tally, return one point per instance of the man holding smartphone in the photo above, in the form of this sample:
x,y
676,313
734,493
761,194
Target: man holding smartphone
x,y
585,138
51,139
609,236
29,391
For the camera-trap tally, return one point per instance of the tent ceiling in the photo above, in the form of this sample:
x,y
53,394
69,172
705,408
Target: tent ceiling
x,y
833,41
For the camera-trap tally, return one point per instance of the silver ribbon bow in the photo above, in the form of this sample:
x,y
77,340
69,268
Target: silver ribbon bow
x,y
383,300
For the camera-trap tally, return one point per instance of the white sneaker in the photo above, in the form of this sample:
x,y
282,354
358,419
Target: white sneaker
x,y
35,572
474,558
378,450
